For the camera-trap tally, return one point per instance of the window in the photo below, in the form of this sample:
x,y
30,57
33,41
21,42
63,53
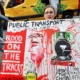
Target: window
x,y
13,3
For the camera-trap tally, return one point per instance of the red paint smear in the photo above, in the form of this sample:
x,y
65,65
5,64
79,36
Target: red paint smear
x,y
11,77
76,52
63,63
70,27
33,56
43,77
37,59
49,32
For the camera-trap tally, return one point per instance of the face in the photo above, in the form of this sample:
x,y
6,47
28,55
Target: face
x,y
49,13
36,48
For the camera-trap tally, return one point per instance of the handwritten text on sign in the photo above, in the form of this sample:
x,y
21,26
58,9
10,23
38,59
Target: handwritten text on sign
x,y
14,52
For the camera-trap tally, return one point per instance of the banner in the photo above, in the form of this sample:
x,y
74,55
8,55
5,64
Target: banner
x,y
42,50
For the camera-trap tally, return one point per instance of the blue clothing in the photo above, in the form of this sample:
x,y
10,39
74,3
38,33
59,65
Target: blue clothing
x,y
3,18
1,25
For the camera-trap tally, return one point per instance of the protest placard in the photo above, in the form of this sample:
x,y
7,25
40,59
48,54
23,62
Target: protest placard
x,y
42,50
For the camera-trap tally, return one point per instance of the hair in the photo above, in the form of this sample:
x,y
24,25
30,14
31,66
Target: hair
x,y
48,6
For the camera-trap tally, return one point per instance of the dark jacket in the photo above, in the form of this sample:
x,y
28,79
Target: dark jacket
x,y
2,9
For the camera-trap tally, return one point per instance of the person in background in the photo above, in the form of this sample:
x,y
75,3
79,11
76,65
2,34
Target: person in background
x,y
1,35
2,20
49,13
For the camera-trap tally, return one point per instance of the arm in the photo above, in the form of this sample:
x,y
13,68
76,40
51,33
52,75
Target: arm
x,y
3,18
